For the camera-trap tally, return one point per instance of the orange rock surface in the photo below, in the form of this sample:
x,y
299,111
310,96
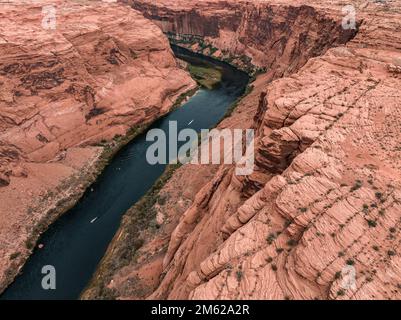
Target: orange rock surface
x,y
326,191
102,70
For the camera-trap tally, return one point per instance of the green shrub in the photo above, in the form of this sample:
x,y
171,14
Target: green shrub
x,y
239,275
291,242
15,255
390,253
357,185
340,292
270,238
371,223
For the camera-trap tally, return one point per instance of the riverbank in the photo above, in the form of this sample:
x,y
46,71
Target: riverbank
x,y
98,213
205,76
63,101
137,224
144,225
66,195
325,189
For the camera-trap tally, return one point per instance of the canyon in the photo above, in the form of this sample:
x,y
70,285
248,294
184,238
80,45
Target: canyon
x,y
325,195
71,94
323,204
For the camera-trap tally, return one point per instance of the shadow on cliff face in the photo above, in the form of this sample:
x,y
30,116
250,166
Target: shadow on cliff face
x,y
264,37
274,38
231,79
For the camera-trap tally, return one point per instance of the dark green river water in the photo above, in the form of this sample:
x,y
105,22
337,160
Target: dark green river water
x,y
76,242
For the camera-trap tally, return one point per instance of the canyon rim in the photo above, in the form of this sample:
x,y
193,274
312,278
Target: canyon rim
x,y
68,97
320,215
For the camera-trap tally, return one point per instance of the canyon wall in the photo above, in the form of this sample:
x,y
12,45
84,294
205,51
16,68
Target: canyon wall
x,y
76,79
324,201
272,37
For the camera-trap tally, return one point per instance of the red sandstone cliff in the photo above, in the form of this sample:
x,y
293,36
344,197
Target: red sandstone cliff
x,y
275,37
326,192
102,72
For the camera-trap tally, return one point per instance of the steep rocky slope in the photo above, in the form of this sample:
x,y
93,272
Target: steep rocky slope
x,y
273,37
325,195
68,97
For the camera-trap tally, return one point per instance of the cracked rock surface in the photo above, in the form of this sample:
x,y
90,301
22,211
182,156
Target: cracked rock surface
x,y
326,191
103,70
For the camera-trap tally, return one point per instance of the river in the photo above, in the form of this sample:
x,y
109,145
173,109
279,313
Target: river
x,y
77,241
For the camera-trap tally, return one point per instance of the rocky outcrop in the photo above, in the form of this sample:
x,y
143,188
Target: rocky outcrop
x,y
73,79
320,216
255,36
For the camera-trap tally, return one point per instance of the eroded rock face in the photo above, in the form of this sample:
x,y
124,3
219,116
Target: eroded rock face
x,y
325,197
326,210
256,36
101,71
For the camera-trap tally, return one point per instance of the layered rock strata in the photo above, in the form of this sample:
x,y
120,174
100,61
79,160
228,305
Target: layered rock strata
x,y
75,79
264,36
320,216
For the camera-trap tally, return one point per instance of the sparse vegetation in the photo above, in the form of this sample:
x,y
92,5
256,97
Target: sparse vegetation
x,y
128,241
206,76
291,242
371,223
270,238
15,255
391,253
357,185
340,292
161,200
287,223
